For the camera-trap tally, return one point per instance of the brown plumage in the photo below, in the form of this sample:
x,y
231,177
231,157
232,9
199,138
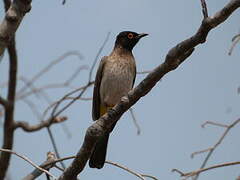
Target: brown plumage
x,y
114,79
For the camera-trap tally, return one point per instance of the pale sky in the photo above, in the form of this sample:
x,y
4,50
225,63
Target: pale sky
x,y
203,88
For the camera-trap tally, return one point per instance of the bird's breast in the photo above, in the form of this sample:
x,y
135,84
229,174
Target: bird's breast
x,y
117,81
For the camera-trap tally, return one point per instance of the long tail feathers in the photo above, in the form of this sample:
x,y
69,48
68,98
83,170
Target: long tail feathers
x,y
98,155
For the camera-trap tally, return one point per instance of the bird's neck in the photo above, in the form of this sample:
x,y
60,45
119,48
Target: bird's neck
x,y
121,50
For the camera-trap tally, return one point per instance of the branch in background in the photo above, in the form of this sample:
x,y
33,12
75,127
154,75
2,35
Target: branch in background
x,y
204,9
26,159
3,102
235,40
50,66
197,172
210,150
32,128
173,59
141,176
84,88
135,121
12,20
52,163
13,17
97,56
65,84
49,163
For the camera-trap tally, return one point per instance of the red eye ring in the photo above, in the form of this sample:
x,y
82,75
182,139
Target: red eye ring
x,y
130,35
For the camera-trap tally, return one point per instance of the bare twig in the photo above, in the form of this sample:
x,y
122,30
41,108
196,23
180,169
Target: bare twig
x,y
3,101
126,169
204,9
197,172
36,172
135,121
84,88
235,40
32,128
141,176
173,59
50,65
55,146
59,160
214,123
59,168
28,160
97,56
149,176
211,149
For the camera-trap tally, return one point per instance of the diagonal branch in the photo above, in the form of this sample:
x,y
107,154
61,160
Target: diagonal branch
x,y
173,59
26,159
49,163
3,101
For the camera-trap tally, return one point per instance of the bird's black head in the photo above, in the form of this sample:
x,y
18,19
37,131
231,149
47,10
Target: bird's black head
x,y
128,39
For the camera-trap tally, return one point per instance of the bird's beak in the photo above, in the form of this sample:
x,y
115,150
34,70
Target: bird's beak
x,y
139,36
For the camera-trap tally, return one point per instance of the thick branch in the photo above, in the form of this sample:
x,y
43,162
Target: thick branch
x,y
8,27
8,131
26,127
10,23
173,59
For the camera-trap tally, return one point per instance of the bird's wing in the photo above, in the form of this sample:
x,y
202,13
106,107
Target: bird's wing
x,y
135,72
96,102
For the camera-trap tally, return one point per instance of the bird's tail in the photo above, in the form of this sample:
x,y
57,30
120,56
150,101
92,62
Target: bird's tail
x,y
98,155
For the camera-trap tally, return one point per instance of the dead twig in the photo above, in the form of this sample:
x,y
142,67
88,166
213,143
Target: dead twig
x,y
204,9
210,150
135,121
28,160
37,172
197,172
235,40
141,176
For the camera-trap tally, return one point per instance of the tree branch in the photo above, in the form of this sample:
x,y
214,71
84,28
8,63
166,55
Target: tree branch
x,y
141,176
3,101
8,27
204,8
173,59
210,150
49,163
12,20
43,124
197,172
26,159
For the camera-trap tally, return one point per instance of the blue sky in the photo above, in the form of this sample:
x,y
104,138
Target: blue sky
x,y
203,88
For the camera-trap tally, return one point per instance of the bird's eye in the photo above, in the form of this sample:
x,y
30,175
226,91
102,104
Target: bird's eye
x,y
130,36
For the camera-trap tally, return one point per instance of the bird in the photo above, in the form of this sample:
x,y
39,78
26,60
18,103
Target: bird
x,y
115,77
